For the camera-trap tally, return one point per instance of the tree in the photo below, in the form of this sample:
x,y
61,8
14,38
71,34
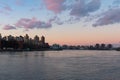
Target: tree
x,y
97,46
102,46
109,46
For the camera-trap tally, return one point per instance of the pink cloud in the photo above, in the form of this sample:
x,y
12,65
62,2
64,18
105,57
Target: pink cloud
x,y
8,27
19,2
54,5
32,23
7,8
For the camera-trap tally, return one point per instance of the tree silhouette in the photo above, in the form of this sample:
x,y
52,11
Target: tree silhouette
x,y
102,46
97,46
109,46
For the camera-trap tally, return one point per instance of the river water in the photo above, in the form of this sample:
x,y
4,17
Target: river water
x,y
60,65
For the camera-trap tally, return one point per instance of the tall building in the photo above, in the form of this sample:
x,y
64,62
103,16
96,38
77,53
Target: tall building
x,y
20,42
43,39
10,37
36,38
0,36
26,38
0,40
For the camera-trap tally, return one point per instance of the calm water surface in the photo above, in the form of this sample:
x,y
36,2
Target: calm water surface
x,y
60,65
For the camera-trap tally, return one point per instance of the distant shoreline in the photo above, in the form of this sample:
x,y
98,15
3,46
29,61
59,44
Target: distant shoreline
x,y
51,50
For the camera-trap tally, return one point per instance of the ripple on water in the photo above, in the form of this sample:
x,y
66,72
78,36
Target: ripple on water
x,y
60,65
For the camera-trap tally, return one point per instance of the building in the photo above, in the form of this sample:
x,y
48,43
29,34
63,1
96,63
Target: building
x,y
0,40
26,38
43,40
19,42
36,40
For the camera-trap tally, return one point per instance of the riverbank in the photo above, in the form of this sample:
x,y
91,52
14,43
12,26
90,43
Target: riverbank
x,y
24,50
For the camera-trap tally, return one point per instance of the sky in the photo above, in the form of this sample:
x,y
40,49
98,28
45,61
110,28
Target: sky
x,y
73,22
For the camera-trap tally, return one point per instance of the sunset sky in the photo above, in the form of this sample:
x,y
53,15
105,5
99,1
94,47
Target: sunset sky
x,y
62,21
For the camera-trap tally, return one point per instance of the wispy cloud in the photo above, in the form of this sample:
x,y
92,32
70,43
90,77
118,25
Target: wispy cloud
x,y
56,20
27,24
7,8
116,2
109,17
32,9
19,2
81,8
66,11
8,27
32,23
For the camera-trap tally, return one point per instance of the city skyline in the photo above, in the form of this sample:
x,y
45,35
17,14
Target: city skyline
x,y
72,22
23,43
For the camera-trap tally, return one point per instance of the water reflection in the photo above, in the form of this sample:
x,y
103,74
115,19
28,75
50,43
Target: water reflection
x,y
60,65
42,53
24,54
